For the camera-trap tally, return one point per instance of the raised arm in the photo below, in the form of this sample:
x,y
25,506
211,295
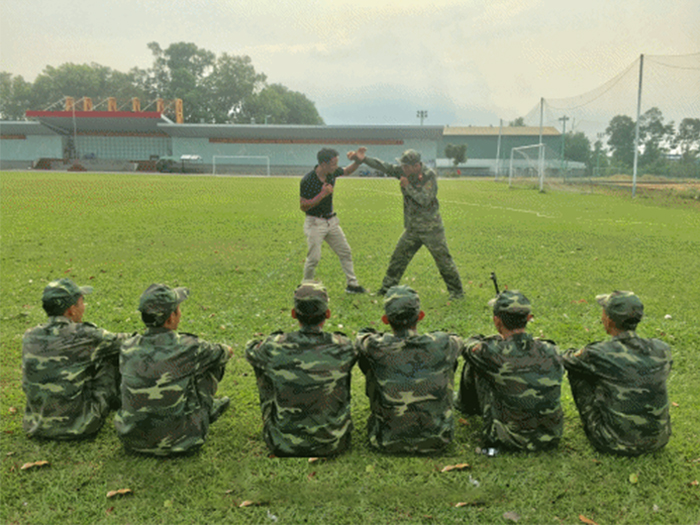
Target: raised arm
x,y
356,157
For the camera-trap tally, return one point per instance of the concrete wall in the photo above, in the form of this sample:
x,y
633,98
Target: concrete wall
x,y
15,153
287,158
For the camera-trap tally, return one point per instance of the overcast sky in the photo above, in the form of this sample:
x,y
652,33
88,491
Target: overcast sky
x,y
370,61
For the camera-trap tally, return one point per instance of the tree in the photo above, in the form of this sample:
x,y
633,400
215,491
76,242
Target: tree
x,y
577,147
15,94
280,105
82,80
688,138
654,136
232,82
458,154
517,123
620,132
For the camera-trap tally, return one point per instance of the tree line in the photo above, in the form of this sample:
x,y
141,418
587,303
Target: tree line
x,y
214,89
656,140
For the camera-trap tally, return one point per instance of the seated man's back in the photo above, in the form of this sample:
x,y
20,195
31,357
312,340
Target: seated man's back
x,y
519,389
169,379
410,384
410,379
620,385
304,381
70,368
513,380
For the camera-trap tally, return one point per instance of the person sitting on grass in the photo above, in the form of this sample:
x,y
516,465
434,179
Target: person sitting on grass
x,y
169,379
304,381
70,369
513,380
410,379
619,385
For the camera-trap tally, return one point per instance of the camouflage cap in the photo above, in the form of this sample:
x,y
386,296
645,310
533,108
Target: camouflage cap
x,y
160,300
310,299
510,302
621,306
401,303
410,157
64,293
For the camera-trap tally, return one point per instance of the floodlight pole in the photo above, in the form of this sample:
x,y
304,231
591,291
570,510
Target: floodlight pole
x,y
636,128
422,114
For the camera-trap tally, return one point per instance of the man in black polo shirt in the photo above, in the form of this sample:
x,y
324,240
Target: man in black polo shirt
x,y
316,200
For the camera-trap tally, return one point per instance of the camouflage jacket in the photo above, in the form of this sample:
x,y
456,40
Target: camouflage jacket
x,y
410,385
304,384
421,209
519,385
620,390
59,363
164,407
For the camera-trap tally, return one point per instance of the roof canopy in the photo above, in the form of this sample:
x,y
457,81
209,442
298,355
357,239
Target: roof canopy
x,y
101,121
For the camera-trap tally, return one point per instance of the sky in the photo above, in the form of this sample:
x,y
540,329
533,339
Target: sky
x,y
370,62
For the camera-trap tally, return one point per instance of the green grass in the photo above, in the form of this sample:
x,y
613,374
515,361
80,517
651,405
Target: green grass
x,y
238,244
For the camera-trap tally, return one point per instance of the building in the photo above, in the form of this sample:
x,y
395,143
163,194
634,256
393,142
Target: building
x,y
131,141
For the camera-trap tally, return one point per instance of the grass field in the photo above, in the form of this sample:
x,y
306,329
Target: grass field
x,y
238,244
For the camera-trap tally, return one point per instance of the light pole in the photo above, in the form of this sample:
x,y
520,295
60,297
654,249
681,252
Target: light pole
x,y
422,114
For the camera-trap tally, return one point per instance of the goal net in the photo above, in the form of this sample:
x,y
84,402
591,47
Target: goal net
x,y
539,166
241,165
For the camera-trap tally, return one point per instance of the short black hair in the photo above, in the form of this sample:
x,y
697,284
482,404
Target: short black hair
x,y
513,321
154,320
326,155
313,320
628,325
407,320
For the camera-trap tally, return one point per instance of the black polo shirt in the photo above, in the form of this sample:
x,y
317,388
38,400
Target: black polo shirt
x,y
311,186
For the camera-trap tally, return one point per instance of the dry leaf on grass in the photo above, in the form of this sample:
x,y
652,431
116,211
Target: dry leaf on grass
x,y
311,475
693,483
246,503
459,466
120,492
584,519
313,460
33,465
12,410
461,504
512,516
675,404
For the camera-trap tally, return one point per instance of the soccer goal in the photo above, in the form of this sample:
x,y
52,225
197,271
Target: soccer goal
x,y
527,163
240,164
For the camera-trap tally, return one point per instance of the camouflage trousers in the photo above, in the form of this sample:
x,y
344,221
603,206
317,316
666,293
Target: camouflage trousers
x,y
467,400
597,428
409,244
106,384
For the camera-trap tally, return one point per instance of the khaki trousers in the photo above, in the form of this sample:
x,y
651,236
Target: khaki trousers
x,y
318,230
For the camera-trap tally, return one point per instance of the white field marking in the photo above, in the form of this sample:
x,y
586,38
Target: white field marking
x,y
490,206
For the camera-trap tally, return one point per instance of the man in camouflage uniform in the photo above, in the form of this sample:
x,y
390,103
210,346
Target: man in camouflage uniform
x,y
410,379
70,369
513,380
304,381
169,379
422,221
619,385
